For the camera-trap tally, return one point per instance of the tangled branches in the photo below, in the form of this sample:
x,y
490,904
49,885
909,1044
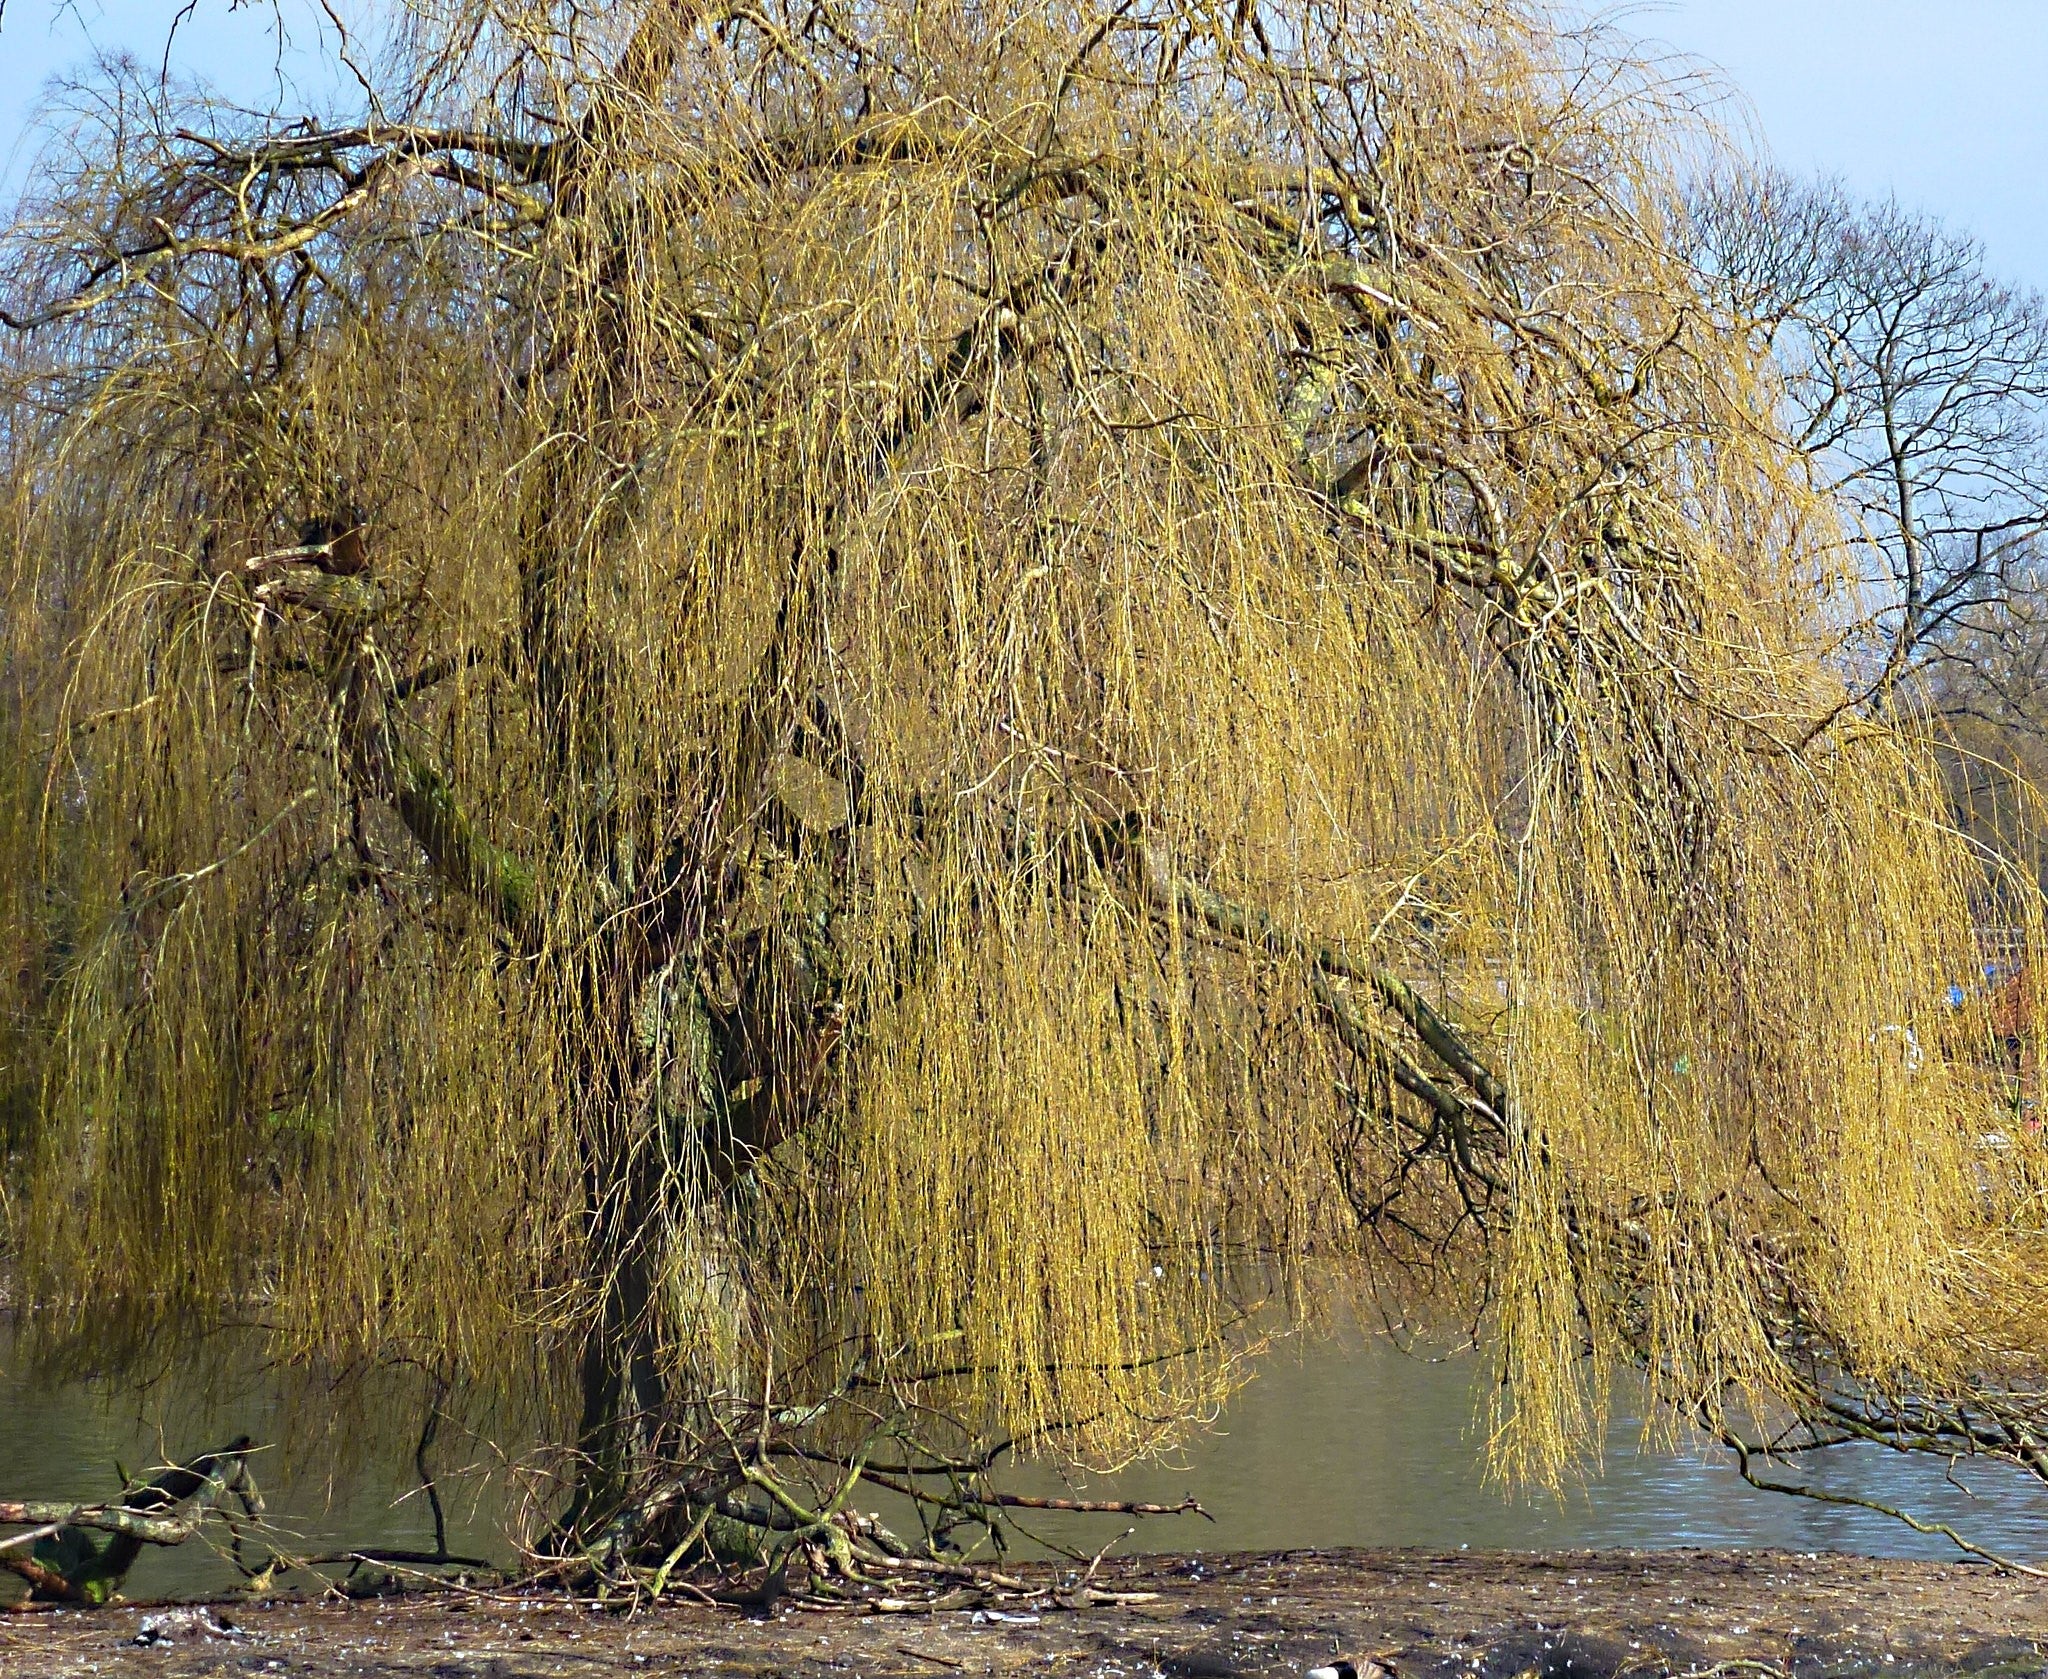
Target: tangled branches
x,y
80,1553
768,1510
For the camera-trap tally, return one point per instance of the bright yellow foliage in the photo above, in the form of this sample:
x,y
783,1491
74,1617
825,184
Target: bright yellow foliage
x,y
888,526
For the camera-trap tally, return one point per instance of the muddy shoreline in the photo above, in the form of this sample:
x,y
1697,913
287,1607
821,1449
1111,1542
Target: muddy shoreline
x,y
1559,1615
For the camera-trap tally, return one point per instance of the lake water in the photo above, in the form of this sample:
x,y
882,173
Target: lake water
x,y
1369,1446
1332,1446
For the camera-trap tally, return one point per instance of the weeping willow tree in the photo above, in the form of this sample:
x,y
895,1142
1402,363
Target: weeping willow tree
x,y
880,704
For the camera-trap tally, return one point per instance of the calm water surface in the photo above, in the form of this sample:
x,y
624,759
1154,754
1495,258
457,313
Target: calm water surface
x,y
1334,1446
1370,1446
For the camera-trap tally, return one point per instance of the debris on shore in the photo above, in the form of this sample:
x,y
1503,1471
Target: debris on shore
x,y
1475,1615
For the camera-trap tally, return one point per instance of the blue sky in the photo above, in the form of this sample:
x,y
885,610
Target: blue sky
x,y
257,51
1944,102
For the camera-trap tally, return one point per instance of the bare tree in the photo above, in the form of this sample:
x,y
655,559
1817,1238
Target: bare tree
x,y
1915,382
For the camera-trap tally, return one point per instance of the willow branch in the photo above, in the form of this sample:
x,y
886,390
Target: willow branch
x,y
381,765
1744,1452
1257,928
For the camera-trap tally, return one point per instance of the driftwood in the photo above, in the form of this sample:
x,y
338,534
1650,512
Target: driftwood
x,y
80,1553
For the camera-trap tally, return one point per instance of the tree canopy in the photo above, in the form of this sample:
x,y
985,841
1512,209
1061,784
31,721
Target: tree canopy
x,y
869,698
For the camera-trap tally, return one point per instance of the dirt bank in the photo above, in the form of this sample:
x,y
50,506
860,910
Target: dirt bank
x,y
1561,1615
